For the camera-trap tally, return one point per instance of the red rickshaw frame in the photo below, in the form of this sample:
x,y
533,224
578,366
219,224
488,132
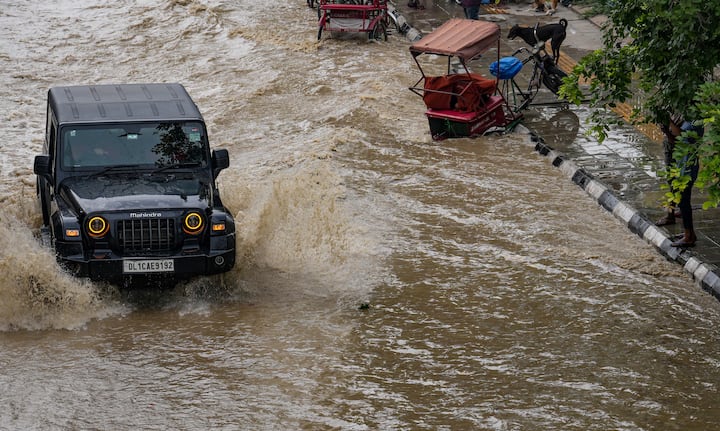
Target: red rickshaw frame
x,y
474,104
368,16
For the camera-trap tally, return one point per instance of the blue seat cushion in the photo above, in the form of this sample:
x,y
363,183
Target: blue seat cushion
x,y
507,69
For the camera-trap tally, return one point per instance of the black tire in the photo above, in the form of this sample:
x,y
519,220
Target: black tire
x,y
533,87
46,237
379,32
319,32
44,195
553,79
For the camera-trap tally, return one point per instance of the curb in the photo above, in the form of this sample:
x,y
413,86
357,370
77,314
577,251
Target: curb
x,y
706,274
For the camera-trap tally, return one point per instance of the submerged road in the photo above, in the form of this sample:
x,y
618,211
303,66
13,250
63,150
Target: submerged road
x,y
500,297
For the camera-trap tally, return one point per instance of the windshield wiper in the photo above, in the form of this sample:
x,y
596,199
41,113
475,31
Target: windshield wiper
x,y
177,166
112,168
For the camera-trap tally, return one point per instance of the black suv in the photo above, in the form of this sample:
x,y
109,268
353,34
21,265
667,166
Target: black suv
x,y
127,187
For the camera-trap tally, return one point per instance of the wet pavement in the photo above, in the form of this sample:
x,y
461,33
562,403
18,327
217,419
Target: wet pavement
x,y
621,173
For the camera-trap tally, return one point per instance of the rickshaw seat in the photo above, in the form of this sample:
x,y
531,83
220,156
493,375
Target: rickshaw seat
x,y
461,92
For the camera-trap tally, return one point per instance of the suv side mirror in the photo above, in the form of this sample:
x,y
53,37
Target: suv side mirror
x,y
220,161
41,167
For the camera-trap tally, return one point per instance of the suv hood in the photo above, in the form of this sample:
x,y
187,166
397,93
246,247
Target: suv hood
x,y
120,193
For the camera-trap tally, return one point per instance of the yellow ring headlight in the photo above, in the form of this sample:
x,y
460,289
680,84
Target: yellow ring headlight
x,y
97,227
193,223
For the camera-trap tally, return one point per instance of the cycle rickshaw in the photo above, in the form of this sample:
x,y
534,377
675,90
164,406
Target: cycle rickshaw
x,y
460,103
366,16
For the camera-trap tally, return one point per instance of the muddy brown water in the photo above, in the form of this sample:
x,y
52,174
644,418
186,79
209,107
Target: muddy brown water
x,y
500,296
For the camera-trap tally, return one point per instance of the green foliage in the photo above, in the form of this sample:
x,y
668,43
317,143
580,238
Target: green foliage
x,y
665,50
708,152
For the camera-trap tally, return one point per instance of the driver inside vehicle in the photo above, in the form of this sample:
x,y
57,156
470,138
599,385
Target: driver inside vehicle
x,y
86,153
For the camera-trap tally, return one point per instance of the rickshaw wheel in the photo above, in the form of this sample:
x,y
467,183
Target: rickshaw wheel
x,y
319,32
379,32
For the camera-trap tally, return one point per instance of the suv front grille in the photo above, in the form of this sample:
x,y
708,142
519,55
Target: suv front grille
x,y
140,235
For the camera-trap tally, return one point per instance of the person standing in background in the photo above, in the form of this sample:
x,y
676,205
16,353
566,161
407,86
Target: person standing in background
x,y
471,8
688,166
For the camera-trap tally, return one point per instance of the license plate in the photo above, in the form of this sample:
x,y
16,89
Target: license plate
x,y
148,266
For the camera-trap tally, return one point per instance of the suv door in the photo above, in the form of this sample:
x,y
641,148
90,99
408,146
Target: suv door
x,y
44,187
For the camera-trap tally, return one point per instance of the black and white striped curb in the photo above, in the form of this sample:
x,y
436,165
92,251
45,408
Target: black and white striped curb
x,y
706,274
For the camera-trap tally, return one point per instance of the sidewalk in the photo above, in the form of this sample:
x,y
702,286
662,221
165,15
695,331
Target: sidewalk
x,y
620,173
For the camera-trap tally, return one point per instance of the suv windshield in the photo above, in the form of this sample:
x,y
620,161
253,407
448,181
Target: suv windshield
x,y
151,145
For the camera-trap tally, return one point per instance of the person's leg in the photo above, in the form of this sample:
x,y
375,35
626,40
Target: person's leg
x,y
685,206
669,217
474,12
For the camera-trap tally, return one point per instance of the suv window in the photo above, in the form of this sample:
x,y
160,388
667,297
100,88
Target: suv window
x,y
143,144
52,129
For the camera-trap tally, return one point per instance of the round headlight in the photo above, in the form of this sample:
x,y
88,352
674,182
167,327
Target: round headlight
x,y
193,223
97,227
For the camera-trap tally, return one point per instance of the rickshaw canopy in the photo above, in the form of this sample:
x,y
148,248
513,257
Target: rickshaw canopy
x,y
463,38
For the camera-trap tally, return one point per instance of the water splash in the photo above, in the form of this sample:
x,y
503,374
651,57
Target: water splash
x,y
37,293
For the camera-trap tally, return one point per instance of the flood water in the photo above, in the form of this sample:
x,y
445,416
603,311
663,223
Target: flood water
x,y
500,296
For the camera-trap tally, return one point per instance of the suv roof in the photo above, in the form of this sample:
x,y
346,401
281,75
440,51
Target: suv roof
x,y
122,103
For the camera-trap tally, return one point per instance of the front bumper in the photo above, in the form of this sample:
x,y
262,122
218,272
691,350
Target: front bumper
x,y
185,266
